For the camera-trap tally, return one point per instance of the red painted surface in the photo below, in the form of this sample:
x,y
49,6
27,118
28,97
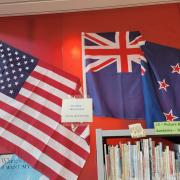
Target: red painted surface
x,y
57,39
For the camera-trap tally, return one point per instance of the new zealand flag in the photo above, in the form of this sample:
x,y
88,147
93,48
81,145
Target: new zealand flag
x,y
161,83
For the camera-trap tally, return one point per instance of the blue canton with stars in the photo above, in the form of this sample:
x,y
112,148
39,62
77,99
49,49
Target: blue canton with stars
x,y
15,67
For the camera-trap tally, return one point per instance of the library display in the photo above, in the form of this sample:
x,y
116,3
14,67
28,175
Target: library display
x,y
65,75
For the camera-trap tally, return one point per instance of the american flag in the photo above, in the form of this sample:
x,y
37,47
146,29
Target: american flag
x,y
111,69
31,94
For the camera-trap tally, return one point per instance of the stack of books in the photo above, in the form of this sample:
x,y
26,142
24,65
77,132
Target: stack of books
x,y
142,160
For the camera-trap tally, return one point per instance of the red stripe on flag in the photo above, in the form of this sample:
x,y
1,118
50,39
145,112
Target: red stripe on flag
x,y
60,72
80,129
103,52
55,99
124,52
52,82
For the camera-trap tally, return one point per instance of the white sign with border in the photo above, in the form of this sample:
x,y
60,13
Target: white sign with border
x,y
77,110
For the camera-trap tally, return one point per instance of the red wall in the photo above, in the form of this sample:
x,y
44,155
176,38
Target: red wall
x,y
57,39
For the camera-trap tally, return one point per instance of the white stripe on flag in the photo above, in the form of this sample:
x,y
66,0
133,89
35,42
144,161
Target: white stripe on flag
x,y
43,138
55,77
41,100
101,59
46,87
96,38
37,154
85,133
46,120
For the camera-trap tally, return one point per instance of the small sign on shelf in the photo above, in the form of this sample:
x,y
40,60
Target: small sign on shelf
x,y
167,127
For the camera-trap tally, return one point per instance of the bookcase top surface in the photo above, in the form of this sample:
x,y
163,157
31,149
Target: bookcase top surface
x,y
126,133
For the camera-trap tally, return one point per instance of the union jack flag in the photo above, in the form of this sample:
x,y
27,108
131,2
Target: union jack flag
x,y
108,59
107,48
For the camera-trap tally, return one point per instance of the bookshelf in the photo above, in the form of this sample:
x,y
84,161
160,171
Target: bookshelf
x,y
101,135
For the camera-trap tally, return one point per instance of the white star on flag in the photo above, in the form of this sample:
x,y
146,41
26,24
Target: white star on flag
x,y
176,68
163,85
169,116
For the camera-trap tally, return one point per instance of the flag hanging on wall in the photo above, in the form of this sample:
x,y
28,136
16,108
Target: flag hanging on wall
x,y
112,73
31,95
161,83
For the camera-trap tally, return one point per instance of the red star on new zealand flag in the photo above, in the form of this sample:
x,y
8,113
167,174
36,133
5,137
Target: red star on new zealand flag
x,y
176,68
163,84
169,116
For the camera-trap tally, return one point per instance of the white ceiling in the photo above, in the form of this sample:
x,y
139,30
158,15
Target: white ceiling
x,y
27,7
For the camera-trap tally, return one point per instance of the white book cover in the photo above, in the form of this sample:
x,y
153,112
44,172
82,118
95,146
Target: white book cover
x,y
112,162
160,159
167,161
106,162
129,160
117,163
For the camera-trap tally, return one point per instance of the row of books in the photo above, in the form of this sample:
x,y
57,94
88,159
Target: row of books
x,y
142,160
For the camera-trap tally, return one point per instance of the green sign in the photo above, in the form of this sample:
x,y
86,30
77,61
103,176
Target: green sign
x,y
167,127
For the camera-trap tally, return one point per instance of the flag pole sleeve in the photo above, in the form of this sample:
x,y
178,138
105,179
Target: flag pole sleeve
x,y
83,66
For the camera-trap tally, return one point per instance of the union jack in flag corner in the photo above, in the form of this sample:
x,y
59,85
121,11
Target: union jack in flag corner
x,y
31,94
112,73
161,83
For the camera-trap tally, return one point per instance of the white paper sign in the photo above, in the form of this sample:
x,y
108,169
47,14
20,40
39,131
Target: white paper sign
x,y
76,110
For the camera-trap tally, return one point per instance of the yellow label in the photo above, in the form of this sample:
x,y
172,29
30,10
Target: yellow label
x,y
167,127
